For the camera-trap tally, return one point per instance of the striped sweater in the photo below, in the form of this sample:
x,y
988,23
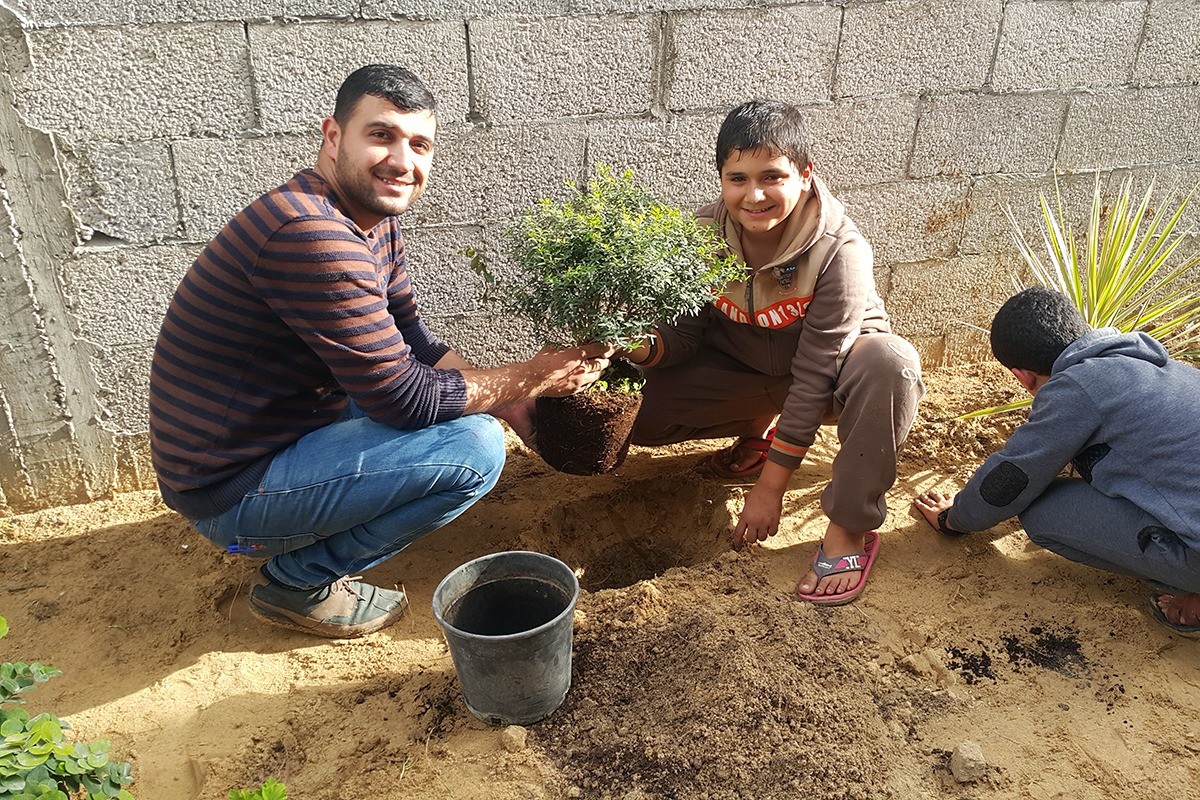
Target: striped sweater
x,y
289,311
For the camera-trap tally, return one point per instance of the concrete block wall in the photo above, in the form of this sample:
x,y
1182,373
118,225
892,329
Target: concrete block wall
x,y
132,129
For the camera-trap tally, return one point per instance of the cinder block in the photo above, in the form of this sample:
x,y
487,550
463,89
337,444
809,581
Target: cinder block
x,y
120,295
1128,128
124,377
494,173
298,67
125,191
673,159
988,230
1061,45
721,58
536,69
486,341
921,45
910,220
219,177
134,469
1172,182
54,13
441,273
855,143
981,134
138,82
1171,49
933,298
470,9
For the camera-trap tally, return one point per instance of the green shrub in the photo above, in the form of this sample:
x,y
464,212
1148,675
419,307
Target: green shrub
x,y
1124,271
36,761
610,263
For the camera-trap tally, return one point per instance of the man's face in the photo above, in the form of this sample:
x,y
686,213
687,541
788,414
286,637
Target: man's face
x,y
761,188
381,156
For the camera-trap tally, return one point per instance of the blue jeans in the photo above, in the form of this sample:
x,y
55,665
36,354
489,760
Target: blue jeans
x,y
345,497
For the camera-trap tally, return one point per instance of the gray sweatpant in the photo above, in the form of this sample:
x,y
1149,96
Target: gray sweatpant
x,y
712,395
1110,533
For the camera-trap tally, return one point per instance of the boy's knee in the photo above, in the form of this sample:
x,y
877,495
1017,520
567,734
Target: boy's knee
x,y
884,355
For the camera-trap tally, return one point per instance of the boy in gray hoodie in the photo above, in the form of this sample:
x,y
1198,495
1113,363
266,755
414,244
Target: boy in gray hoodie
x,y
1127,419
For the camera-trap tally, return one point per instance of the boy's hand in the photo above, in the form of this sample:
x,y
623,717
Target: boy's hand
x,y
932,503
759,519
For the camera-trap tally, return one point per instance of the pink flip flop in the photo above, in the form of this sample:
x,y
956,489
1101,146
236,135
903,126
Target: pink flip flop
x,y
720,463
824,566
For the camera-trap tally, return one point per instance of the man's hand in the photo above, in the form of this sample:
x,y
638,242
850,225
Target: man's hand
x,y
759,519
550,373
931,504
569,371
522,419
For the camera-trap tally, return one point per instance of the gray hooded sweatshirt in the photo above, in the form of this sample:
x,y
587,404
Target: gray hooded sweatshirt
x,y
1124,414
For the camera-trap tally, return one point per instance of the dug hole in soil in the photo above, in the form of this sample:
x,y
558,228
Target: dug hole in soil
x,y
696,674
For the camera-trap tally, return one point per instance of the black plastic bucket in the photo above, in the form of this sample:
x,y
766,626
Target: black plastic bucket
x,y
508,620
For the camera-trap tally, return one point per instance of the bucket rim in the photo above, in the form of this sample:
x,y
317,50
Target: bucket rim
x,y
570,608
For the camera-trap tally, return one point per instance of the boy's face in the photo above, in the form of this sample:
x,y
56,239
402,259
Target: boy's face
x,y
761,188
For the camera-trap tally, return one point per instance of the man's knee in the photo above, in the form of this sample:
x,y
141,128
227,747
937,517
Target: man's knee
x,y
486,452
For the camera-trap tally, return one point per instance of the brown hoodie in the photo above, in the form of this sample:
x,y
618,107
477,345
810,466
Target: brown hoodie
x,y
800,313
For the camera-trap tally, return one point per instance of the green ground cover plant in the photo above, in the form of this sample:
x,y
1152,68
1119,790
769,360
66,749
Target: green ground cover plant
x,y
270,790
1127,269
36,760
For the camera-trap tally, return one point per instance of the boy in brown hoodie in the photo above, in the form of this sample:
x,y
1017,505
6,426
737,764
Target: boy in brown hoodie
x,y
803,337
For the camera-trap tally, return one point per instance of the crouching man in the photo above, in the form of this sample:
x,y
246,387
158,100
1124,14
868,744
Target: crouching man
x,y
300,409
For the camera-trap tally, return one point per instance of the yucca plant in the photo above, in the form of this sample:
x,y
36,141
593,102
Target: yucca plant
x,y
1125,273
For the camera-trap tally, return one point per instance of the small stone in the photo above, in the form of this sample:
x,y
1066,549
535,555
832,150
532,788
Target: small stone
x,y
514,738
574,791
967,764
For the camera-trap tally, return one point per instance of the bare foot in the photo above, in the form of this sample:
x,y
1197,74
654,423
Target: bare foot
x,y
838,542
1182,609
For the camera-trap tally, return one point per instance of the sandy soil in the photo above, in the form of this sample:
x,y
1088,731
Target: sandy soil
x,y
696,674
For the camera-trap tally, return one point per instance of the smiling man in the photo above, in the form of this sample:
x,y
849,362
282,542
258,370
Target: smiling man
x,y
802,337
300,409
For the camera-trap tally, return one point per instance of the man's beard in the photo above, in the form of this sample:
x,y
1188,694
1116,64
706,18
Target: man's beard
x,y
359,188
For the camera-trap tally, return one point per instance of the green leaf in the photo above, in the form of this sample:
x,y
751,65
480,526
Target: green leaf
x,y
3,627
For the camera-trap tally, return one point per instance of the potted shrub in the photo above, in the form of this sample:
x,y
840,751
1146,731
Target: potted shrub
x,y
605,265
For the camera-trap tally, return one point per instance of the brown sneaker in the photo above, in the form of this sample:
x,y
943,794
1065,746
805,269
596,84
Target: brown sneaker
x,y
344,609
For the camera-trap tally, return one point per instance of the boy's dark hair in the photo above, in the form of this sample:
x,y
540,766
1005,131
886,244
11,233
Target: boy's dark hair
x,y
397,85
764,123
1033,327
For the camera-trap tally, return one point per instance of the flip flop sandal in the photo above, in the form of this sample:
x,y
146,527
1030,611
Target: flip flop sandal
x,y
720,463
1190,631
824,566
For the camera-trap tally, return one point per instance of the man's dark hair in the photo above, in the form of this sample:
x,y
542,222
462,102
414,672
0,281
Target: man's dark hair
x,y
397,85
1033,327
764,123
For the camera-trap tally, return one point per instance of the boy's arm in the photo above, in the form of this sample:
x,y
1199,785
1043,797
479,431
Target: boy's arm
x,y
1061,424
673,343
834,319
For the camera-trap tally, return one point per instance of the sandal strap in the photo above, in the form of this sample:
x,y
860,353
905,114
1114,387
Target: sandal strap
x,y
761,444
825,566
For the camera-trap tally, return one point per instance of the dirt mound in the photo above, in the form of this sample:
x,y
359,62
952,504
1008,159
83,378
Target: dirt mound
x,y
789,708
